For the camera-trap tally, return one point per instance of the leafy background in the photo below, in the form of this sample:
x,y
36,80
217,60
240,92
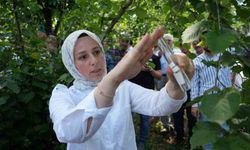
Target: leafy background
x,y
30,68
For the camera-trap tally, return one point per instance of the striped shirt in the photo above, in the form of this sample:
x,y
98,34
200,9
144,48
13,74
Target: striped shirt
x,y
205,77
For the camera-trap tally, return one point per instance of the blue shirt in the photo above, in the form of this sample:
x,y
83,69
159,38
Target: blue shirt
x,y
205,77
164,65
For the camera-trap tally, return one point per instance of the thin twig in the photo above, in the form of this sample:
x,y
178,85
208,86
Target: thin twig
x,y
218,14
19,39
116,19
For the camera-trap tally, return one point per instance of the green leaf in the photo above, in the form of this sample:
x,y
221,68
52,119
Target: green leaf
x,y
237,68
212,90
64,77
246,91
232,142
215,42
39,84
151,64
210,63
227,59
35,55
3,84
194,101
194,32
221,106
204,133
3,99
26,97
224,2
243,12
12,85
246,61
5,44
140,12
191,55
241,120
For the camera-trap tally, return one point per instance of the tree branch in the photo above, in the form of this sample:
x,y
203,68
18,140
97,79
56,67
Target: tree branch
x,y
58,23
19,39
102,20
61,12
116,19
47,13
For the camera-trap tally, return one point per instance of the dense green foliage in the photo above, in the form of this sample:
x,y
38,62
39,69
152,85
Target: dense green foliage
x,y
30,68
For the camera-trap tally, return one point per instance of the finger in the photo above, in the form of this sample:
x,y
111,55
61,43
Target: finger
x,y
190,69
148,41
179,59
171,75
184,64
157,33
154,36
146,57
153,39
142,45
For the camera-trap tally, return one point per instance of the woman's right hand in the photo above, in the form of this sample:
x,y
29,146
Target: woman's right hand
x,y
132,63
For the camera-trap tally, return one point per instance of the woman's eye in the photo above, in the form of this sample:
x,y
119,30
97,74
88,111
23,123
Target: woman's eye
x,y
83,57
97,52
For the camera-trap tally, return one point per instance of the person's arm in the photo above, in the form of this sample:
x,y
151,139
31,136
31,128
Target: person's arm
x,y
73,122
130,65
156,74
151,102
166,101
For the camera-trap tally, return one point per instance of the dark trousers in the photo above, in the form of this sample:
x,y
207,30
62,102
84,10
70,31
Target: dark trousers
x,y
179,120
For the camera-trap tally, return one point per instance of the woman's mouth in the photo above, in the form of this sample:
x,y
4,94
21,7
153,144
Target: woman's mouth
x,y
96,71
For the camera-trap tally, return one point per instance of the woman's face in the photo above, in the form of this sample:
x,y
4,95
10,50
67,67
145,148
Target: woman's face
x,y
89,58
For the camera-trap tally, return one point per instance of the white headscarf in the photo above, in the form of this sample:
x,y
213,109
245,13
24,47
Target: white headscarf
x,y
80,81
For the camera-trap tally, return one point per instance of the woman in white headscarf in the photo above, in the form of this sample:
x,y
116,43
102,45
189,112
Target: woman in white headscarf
x,y
95,112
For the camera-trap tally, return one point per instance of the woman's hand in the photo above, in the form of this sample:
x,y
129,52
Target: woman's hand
x,y
185,64
132,63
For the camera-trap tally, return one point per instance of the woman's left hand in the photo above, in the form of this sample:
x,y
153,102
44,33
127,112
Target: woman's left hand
x,y
184,64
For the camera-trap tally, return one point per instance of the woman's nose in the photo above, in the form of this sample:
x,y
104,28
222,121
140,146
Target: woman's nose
x,y
93,60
